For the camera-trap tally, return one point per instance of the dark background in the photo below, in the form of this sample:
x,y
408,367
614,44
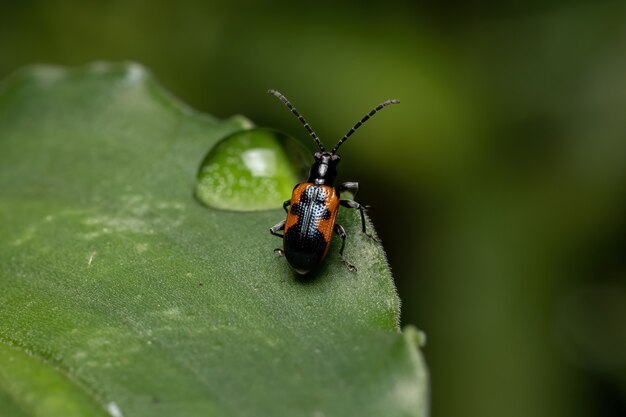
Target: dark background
x,y
498,185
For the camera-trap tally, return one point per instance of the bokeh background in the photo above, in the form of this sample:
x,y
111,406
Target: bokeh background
x,y
498,185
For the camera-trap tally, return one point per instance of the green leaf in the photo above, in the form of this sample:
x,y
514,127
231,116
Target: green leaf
x,y
121,294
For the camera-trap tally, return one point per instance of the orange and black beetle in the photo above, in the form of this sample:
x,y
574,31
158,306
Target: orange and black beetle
x,y
314,204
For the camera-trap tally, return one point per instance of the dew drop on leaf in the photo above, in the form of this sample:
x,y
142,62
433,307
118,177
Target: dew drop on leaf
x,y
252,170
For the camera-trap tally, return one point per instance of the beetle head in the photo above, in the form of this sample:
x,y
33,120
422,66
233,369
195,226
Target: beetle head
x,y
324,169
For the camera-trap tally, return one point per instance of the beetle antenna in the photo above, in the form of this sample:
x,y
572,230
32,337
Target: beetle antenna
x,y
295,112
363,120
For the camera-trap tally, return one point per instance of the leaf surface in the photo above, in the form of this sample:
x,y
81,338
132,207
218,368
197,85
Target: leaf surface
x,y
121,294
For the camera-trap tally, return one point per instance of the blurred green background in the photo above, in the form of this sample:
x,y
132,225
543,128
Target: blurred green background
x,y
498,185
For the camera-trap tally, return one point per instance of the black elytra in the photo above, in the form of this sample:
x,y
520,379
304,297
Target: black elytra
x,y
314,204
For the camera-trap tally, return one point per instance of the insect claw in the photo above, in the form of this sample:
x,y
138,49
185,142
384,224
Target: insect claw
x,y
350,267
374,238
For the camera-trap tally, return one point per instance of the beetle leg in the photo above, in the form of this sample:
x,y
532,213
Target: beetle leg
x,y
354,205
286,204
278,227
342,234
279,251
352,187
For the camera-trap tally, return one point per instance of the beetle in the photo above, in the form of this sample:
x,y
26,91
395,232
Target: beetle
x,y
314,204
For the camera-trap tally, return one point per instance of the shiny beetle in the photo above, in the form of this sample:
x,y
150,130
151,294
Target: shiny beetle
x,y
313,207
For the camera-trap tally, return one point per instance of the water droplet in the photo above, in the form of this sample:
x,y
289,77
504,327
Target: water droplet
x,y
251,170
